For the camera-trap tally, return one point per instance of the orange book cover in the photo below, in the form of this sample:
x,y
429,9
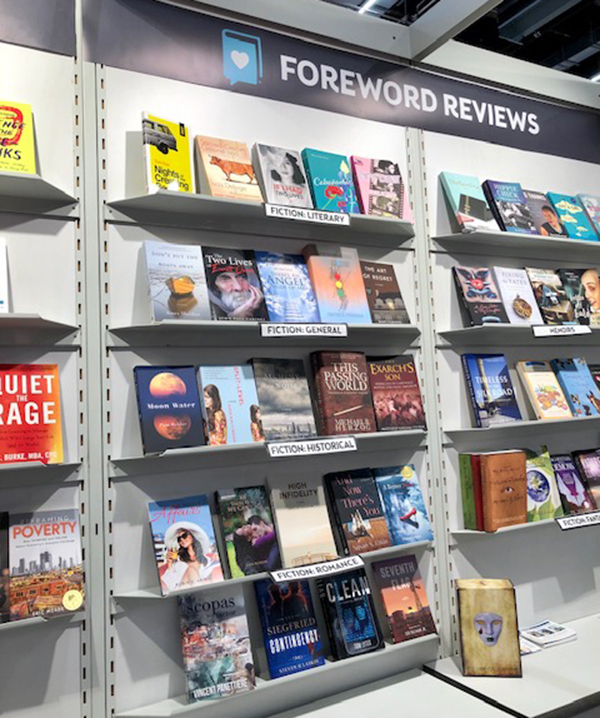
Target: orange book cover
x,y
226,169
30,420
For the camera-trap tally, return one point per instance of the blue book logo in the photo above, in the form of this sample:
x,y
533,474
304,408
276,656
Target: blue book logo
x,y
242,57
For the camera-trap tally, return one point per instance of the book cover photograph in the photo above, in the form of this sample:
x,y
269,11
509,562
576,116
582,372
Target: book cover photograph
x,y
574,494
234,287
383,294
578,385
226,169
291,634
543,390
176,282
396,394
4,569
572,215
4,298
230,404
466,202
284,398
215,641
591,205
543,215
184,543
331,183
46,566
588,465
169,407
282,176
248,531
550,296
288,291
166,154
479,296
491,392
30,413
403,504
543,497
381,191
17,138
517,296
577,293
504,489
509,207
404,598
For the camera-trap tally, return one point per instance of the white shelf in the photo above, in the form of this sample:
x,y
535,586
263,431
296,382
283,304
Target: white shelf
x,y
502,335
35,330
470,533
30,194
34,473
26,623
517,429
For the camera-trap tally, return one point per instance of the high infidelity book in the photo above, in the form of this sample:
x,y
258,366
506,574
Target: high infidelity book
x,y
184,542
574,493
396,394
354,503
289,625
225,169
572,215
303,526
509,207
591,205
234,287
543,390
4,298
217,652
176,282
466,202
543,497
248,531
550,295
166,155
230,405
381,191
479,296
4,569
284,398
349,614
169,407
31,428
543,214
588,465
46,566
489,630
404,598
282,176
504,489
331,183
471,491
17,138
578,385
288,291
343,403
403,505
517,296
383,294
578,291
491,392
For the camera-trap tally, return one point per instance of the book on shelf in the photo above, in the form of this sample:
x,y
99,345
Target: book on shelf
x,y
403,504
17,138
4,298
578,385
225,169
503,489
248,531
591,205
303,526
281,176
349,614
185,549
595,372
576,291
489,631
383,294
517,296
343,403
396,394
543,390
176,282
330,180
380,188
572,215
551,296
169,407
466,202
31,428
543,496
289,625
284,399
574,493
215,641
491,392
478,295
46,565
471,491
509,206
289,295
588,465
4,569
167,158
543,214
404,598
548,633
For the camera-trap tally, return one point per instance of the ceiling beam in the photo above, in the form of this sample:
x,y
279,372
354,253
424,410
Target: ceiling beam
x,y
533,17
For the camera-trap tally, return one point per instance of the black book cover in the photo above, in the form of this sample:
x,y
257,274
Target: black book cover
x,y
478,295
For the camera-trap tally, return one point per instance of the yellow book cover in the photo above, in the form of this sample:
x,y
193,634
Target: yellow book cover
x,y
543,390
166,154
17,141
227,169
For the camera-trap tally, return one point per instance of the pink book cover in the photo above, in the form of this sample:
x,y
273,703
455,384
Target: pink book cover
x,y
381,191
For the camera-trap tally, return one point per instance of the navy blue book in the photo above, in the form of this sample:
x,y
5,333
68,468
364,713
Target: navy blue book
x,y
509,206
403,504
169,407
492,394
288,290
290,631
578,385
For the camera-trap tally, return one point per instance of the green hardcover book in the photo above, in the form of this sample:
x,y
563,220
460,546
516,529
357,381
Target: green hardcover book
x,y
468,495
543,498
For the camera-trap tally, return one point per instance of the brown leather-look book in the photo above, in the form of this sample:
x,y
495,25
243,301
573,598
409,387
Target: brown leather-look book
x,y
504,489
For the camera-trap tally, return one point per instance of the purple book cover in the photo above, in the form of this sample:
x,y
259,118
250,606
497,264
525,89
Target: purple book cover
x,y
574,495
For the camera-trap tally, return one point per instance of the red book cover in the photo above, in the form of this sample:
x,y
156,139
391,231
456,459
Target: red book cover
x,y
477,491
396,394
30,423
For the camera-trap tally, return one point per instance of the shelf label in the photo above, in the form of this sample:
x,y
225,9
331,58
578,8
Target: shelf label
x,y
272,329
315,570
561,330
578,521
307,215
310,447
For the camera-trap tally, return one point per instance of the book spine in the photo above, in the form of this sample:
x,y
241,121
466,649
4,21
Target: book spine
x,y
309,180
492,205
334,516
318,399
221,525
477,490
471,388
467,492
489,524
329,618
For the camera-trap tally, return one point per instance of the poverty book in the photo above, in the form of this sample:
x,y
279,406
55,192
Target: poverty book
x,y
167,158
491,392
281,176
574,493
4,298
466,203
289,295
330,179
503,489
289,625
404,598
234,289
349,614
248,531
550,295
284,399
591,205
176,282
46,566
303,526
380,188
588,465
478,295
580,286
396,394
4,569
543,214
184,542
517,296
509,207
225,169
573,216
543,390
543,496
343,403
403,504
578,385
30,413
169,407
215,641
383,294
17,138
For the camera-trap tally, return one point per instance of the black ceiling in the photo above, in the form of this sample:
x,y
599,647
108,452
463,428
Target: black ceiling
x,y
402,11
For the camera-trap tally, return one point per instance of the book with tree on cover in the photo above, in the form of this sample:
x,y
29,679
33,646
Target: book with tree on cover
x,y
17,138
543,390
331,183
225,169
478,295
543,497
517,296
166,155
572,215
588,465
504,489
380,188
281,176
396,394
509,207
466,203
491,392
403,504
544,215
288,291
578,385
551,296
574,493
4,569
383,294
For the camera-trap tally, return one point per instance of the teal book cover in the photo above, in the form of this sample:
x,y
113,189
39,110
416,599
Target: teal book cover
x,y
331,183
573,216
591,204
578,385
466,202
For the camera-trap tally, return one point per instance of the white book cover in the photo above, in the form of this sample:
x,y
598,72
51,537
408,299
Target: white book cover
x,y
517,296
282,176
4,304
548,633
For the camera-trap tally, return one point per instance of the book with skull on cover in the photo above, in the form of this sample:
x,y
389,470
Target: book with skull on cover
x,y
478,295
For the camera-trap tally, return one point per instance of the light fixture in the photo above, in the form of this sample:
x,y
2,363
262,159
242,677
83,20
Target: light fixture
x,y
366,6
595,78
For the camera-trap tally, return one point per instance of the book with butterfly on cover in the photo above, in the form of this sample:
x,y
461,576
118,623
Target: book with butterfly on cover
x,y
167,156
479,296
17,138
226,170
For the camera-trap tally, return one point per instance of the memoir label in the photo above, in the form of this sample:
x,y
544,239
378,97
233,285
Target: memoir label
x,y
561,330
273,329
307,215
315,570
311,447
578,521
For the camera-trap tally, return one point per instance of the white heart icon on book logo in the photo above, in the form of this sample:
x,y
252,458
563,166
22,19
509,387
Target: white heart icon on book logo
x,y
240,59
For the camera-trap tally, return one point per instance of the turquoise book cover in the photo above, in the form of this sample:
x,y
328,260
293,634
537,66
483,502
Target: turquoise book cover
x,y
466,202
331,183
591,204
578,385
573,216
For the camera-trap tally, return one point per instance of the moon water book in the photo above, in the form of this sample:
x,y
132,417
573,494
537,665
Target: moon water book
x,y
289,625
574,493
46,567
331,183
466,202
4,569
169,407
184,543
543,390
489,632
17,138
517,296
248,531
543,497
572,215
225,169
282,176
30,415
288,291
166,155
591,204
588,465
509,207
479,296
404,598
217,653
550,295
544,215
491,392
381,191
383,294
578,386
403,504
396,394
